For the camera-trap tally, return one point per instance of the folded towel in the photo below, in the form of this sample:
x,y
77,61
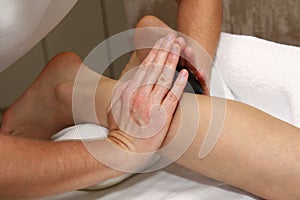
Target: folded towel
x,y
263,74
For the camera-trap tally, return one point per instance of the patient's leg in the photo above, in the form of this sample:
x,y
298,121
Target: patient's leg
x,y
39,109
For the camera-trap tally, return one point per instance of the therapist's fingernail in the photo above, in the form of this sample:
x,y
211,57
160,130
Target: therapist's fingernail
x,y
170,37
182,76
160,41
188,51
181,42
175,49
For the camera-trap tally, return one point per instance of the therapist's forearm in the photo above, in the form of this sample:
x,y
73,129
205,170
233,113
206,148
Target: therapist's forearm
x,y
255,152
202,21
33,169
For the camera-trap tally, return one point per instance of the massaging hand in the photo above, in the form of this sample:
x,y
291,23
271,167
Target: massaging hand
x,y
142,107
194,58
192,55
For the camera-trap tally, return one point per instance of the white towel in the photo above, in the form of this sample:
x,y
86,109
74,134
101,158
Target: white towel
x,y
263,74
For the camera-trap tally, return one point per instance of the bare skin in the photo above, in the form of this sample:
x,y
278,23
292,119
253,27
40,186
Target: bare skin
x,y
51,94
201,20
54,112
56,83
67,172
240,149
207,14
50,114
37,168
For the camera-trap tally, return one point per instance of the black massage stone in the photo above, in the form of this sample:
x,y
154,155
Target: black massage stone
x,y
193,86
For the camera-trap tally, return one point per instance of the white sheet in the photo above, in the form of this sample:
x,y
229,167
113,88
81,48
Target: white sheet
x,y
254,71
172,183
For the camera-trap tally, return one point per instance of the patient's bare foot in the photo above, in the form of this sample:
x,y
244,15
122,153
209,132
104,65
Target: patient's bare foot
x,y
46,107
39,112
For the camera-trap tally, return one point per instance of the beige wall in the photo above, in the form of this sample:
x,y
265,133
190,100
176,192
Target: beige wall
x,y
91,21
276,20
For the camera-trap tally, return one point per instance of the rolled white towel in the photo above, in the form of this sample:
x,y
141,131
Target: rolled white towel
x,y
263,74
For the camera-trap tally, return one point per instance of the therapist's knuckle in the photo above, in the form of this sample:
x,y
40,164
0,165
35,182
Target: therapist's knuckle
x,y
153,67
172,97
165,81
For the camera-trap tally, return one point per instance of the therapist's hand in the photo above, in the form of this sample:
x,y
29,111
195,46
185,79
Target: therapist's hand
x,y
142,108
196,60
